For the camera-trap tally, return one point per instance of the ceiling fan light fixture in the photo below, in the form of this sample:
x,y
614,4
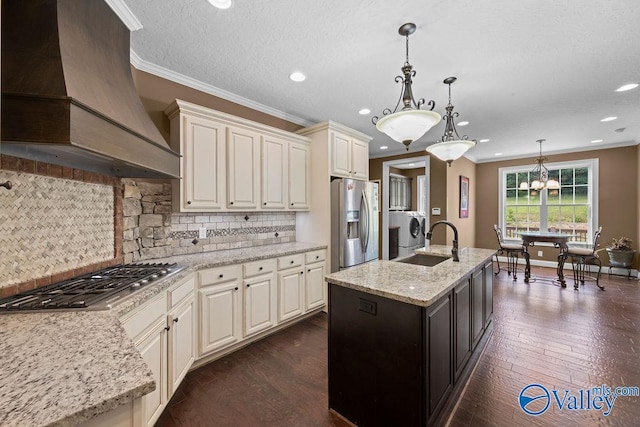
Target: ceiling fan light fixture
x,y
410,122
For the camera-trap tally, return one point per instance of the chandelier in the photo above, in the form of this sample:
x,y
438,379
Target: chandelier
x,y
540,175
410,123
452,146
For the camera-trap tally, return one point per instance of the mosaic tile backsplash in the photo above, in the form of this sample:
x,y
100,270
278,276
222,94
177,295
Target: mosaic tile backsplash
x,y
50,225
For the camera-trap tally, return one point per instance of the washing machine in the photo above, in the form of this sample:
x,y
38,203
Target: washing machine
x,y
423,226
409,232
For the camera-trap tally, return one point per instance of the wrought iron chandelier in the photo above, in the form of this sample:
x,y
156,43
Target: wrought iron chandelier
x,y
410,123
451,147
540,175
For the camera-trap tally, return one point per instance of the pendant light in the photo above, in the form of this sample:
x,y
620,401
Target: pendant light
x,y
410,123
451,147
540,175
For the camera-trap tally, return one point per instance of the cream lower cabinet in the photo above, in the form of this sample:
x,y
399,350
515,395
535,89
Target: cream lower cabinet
x,y
290,287
316,288
163,332
259,297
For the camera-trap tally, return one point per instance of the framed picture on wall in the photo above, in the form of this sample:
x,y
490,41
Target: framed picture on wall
x,y
464,197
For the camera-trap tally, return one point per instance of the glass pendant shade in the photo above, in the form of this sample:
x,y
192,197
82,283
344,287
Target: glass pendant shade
x,y
450,150
408,125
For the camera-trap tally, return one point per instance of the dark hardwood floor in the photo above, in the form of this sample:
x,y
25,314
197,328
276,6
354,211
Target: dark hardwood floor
x,y
559,338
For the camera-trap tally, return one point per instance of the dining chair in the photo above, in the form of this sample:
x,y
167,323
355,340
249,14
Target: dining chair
x,y
512,250
582,258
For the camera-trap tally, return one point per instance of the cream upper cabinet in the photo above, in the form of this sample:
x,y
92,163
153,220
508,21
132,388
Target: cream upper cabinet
x,y
274,173
243,168
349,156
201,142
229,163
299,175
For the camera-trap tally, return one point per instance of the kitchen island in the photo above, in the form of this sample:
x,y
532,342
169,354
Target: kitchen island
x,y
404,338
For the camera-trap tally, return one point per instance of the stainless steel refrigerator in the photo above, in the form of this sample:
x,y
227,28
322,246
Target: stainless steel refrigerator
x,y
354,223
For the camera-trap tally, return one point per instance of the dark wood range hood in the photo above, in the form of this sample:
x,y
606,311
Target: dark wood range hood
x,y
68,96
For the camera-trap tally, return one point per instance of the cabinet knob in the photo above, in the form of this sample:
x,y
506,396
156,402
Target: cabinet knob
x,y
235,289
166,328
188,202
260,269
309,271
248,285
349,171
292,261
291,204
302,272
265,203
221,276
176,320
230,203
317,256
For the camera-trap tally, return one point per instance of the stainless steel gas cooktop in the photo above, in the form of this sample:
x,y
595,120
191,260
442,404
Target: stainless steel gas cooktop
x,y
99,290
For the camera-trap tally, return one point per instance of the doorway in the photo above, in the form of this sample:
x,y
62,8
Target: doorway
x,y
421,199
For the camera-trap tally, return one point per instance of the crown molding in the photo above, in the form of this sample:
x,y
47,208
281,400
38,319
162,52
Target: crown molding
x,y
165,73
124,13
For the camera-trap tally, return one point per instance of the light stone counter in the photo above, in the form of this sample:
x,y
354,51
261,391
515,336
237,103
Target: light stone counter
x,y
62,368
413,284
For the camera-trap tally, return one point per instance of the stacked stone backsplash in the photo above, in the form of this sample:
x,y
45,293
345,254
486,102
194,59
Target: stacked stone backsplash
x,y
152,231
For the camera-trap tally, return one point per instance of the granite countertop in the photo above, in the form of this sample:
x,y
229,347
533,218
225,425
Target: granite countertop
x,y
413,284
63,367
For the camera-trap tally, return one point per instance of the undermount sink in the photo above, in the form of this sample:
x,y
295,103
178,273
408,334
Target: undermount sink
x,y
424,260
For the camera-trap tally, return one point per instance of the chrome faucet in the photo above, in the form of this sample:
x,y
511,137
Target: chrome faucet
x,y
454,250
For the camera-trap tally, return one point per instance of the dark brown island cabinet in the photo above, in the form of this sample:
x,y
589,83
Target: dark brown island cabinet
x,y
396,364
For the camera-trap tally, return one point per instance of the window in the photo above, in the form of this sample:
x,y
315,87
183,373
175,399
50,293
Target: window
x,y
572,209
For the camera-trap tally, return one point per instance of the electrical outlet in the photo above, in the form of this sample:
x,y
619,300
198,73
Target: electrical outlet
x,y
203,233
539,253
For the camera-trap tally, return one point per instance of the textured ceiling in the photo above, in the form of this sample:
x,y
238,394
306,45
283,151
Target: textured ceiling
x,y
526,69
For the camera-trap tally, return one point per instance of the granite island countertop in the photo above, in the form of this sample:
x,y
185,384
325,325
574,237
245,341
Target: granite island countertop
x,y
65,367
413,284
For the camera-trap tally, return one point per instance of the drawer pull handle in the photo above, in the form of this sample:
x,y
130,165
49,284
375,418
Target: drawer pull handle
x,y
176,320
221,276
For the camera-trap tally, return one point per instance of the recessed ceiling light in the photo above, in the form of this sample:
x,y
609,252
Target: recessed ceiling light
x,y
463,123
221,4
627,87
383,147
485,140
619,130
497,154
297,76
412,164
609,119
364,111
596,141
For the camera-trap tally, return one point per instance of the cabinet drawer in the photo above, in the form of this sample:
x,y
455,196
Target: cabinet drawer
x,y
290,261
315,256
146,316
258,267
180,292
218,275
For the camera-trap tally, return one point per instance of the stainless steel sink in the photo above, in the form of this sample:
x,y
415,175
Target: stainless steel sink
x,y
424,260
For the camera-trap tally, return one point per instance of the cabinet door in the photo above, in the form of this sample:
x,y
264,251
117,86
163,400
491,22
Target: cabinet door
x,y
181,343
439,358
259,304
477,303
462,304
488,294
153,348
316,288
203,178
340,152
299,175
274,173
243,168
290,294
359,159
220,316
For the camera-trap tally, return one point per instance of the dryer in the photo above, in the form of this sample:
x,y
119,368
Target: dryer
x,y
409,232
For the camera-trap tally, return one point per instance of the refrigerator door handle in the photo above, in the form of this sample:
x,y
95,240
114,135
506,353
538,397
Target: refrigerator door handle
x,y
366,215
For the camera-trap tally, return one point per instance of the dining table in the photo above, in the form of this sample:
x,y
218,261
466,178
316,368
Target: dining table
x,y
559,240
